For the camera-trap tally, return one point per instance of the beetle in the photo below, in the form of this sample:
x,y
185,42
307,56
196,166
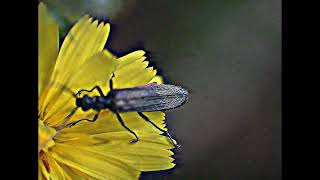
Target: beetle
x,y
145,98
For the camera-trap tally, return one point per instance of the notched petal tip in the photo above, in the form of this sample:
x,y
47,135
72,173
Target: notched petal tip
x,y
132,56
140,52
85,17
106,25
90,20
95,23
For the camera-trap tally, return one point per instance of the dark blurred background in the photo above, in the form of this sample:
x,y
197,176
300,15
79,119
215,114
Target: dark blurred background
x,y
228,54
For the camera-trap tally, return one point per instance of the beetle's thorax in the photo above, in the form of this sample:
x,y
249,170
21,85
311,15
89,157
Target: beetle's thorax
x,y
96,102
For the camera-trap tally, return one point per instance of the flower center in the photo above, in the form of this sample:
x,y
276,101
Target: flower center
x,y
46,134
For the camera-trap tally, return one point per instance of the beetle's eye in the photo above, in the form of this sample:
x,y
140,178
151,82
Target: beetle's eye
x,y
78,101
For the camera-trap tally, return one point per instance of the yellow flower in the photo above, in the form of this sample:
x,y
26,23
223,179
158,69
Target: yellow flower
x,y
99,150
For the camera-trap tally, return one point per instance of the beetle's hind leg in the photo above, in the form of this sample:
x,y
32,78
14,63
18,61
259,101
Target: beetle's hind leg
x,y
163,131
122,123
90,120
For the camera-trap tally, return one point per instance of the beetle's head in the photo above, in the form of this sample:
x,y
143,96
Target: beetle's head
x,y
84,102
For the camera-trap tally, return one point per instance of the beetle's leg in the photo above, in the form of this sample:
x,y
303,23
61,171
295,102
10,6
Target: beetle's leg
x,y
110,82
90,120
165,132
66,119
96,87
122,123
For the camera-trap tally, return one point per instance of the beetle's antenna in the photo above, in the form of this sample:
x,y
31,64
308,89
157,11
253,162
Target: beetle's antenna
x,y
65,88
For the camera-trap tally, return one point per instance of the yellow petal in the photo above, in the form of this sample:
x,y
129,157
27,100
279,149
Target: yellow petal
x,y
132,70
78,139
56,172
96,165
39,173
157,79
84,40
97,70
45,173
75,174
48,44
129,58
53,103
150,153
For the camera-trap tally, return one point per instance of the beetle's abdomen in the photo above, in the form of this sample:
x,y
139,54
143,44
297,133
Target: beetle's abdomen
x,y
148,98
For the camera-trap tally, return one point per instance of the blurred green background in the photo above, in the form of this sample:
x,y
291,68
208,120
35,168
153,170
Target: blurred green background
x,y
228,54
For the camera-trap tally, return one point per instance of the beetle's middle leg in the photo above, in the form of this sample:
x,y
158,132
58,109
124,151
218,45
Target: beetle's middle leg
x,y
122,123
90,120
